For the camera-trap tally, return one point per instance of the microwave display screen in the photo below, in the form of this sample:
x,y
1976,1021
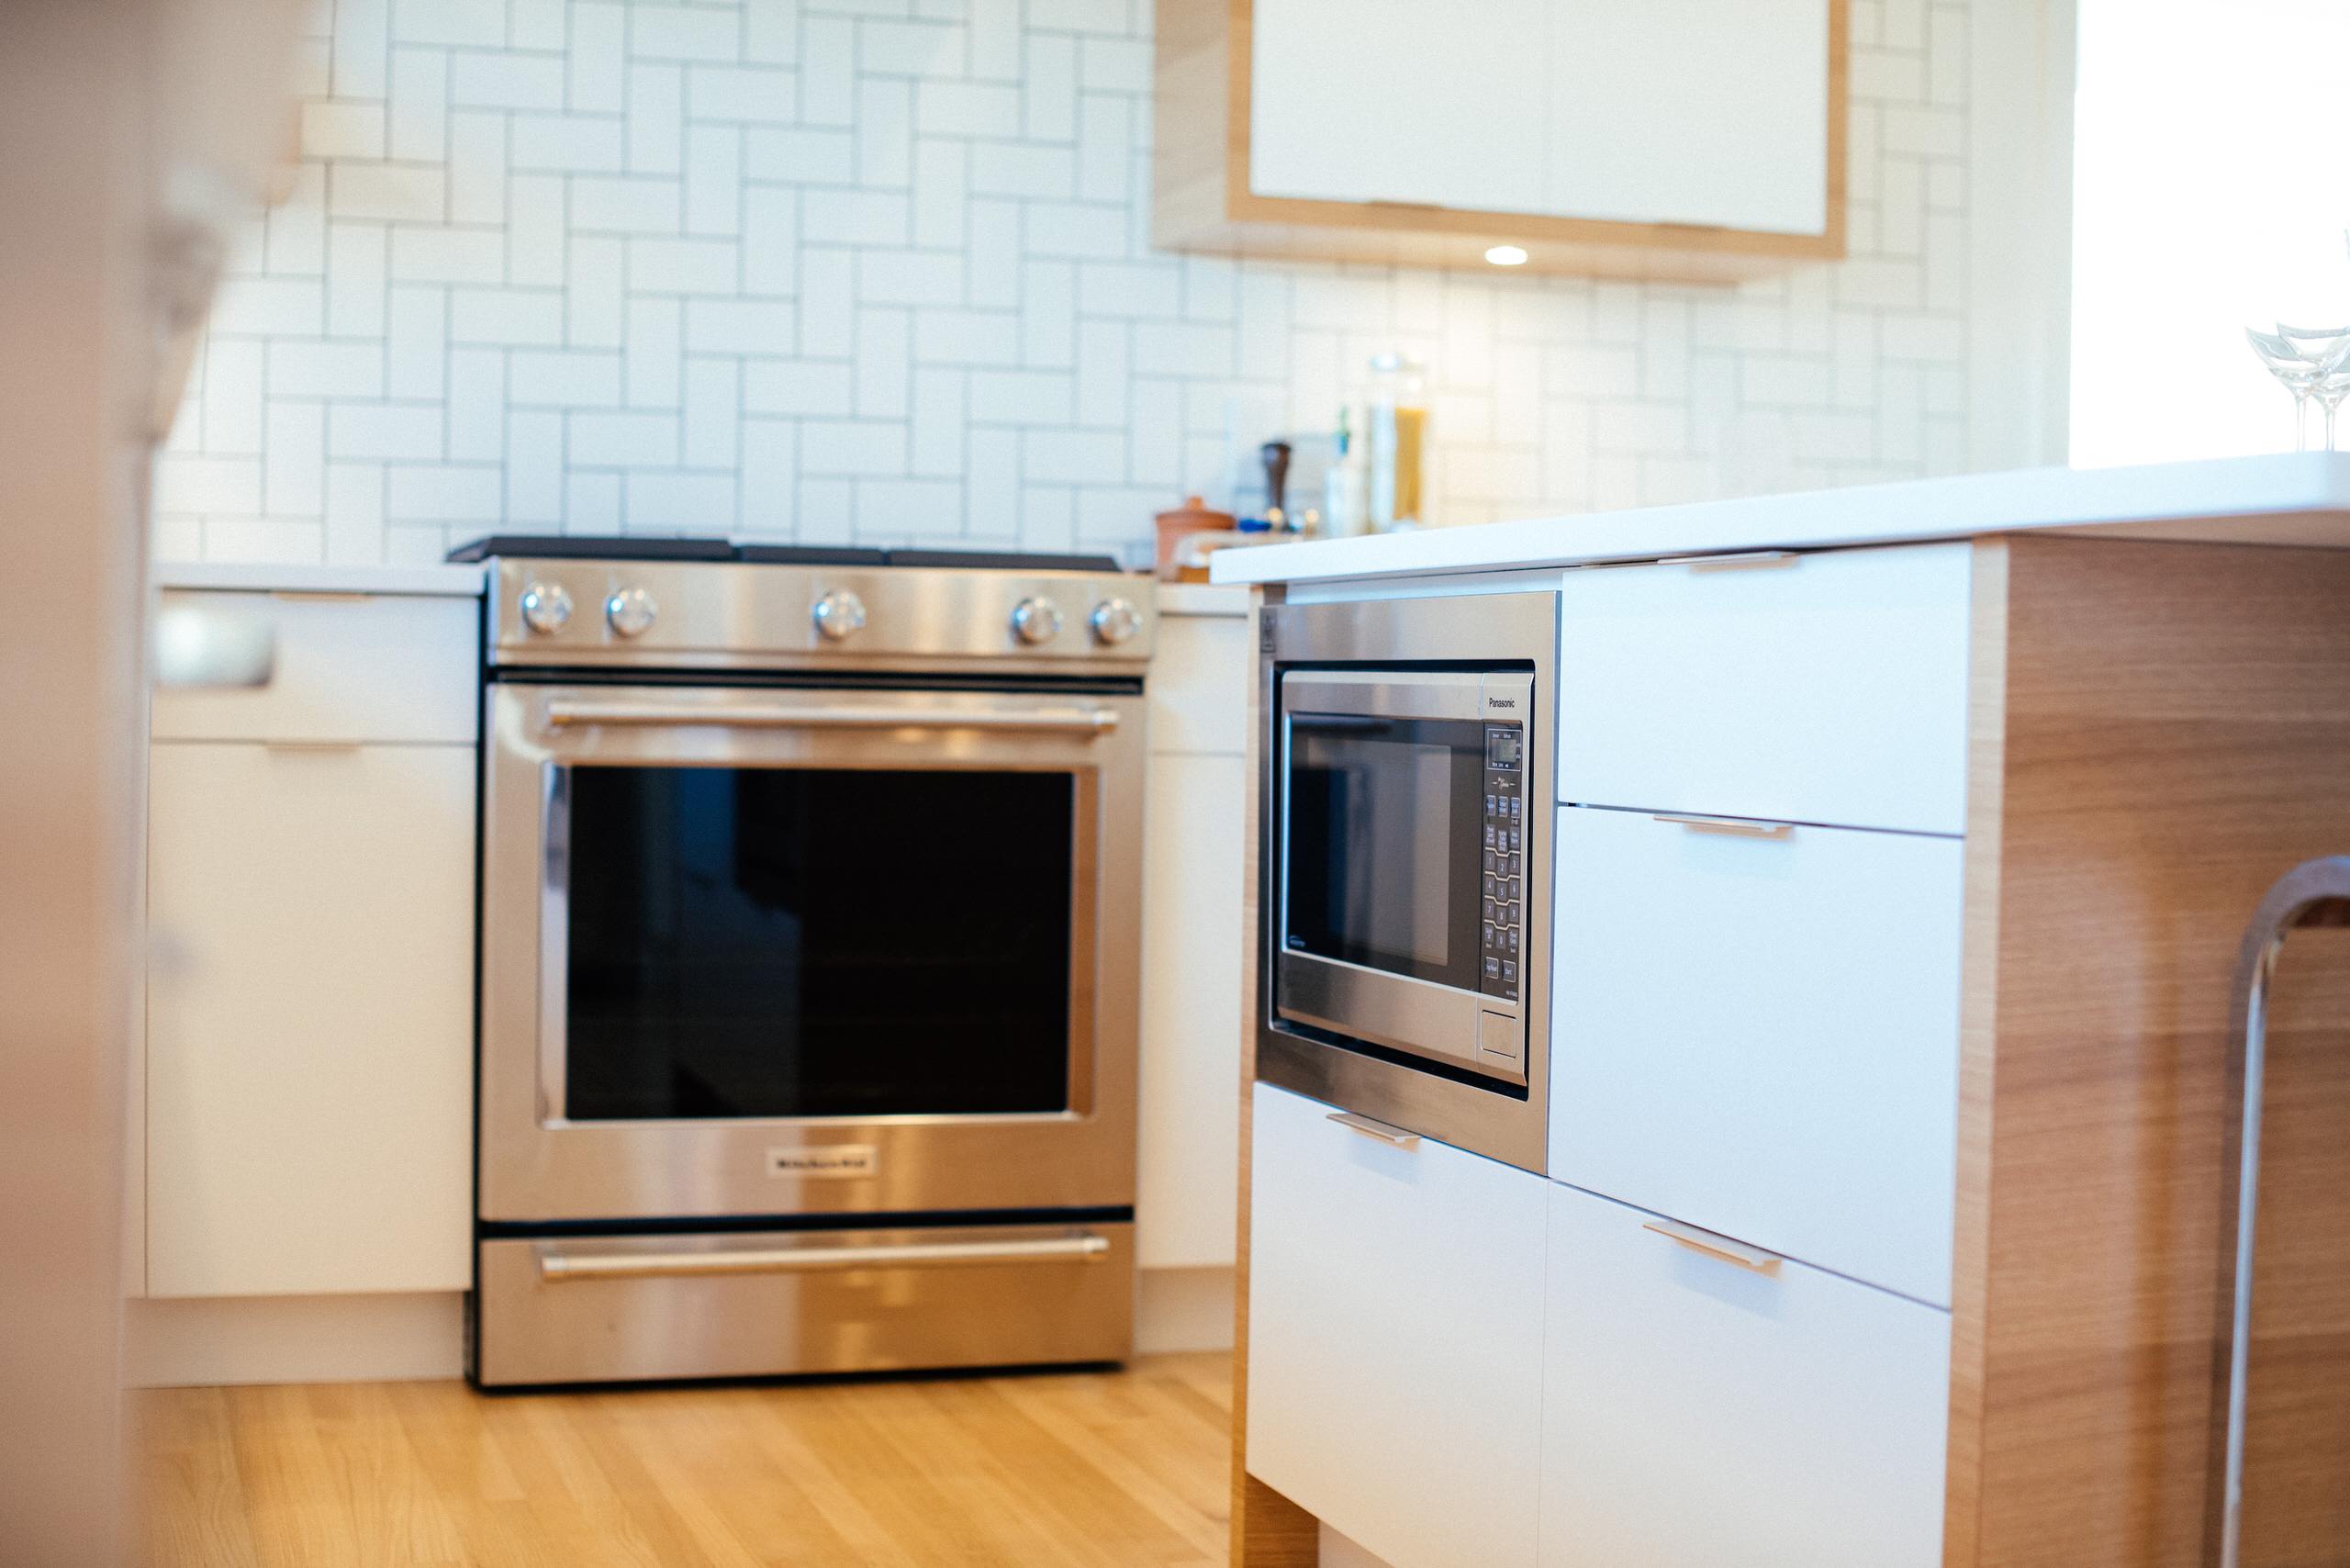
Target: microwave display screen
x,y
1382,848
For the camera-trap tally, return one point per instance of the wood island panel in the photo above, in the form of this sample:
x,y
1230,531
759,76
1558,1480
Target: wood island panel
x,y
2159,732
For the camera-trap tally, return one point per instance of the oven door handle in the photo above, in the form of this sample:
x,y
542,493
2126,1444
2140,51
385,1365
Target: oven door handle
x,y
557,1264
564,712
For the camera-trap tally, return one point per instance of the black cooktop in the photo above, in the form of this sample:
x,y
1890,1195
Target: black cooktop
x,y
584,547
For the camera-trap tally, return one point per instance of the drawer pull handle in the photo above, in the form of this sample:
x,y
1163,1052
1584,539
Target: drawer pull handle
x,y
557,1265
1744,561
1714,1246
1395,1138
1730,827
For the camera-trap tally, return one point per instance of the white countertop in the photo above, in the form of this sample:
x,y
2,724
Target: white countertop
x,y
463,580
2294,499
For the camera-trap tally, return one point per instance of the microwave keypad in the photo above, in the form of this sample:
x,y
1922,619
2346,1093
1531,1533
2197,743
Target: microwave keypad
x,y
1503,909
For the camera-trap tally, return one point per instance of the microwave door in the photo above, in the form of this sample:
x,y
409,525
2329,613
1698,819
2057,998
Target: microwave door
x,y
1383,873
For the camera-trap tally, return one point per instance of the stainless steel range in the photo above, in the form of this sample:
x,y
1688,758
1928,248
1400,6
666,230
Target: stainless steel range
x,y
810,961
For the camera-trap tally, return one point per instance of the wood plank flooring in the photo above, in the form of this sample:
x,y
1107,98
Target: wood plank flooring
x,y
1090,1469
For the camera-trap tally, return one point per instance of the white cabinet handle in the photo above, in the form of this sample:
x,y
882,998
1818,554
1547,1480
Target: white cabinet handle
x,y
1714,1246
1394,1136
1730,827
1744,561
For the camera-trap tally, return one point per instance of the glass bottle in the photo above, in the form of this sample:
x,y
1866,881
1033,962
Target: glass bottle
x,y
1399,430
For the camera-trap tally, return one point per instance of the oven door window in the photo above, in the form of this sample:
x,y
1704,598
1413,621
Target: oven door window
x,y
1382,844
773,943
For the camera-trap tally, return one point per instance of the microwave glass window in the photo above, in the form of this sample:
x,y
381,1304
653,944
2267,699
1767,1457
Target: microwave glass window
x,y
1383,864
773,942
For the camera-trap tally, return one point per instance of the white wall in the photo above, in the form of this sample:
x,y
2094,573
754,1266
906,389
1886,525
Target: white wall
x,y
880,270
2211,193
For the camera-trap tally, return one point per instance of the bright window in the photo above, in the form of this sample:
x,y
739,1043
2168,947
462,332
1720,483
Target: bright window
x,y
2212,187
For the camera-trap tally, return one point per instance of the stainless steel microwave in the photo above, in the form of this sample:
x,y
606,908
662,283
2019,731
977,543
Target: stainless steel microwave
x,y
1405,908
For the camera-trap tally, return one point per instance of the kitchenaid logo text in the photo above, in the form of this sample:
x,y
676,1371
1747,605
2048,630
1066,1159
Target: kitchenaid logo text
x,y
836,1160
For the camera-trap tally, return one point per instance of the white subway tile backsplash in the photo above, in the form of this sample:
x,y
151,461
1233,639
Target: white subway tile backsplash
x,y
570,378
418,115
684,32
656,116
478,79
799,387
598,60
299,369
477,167
744,94
596,301
625,206
518,318
419,254
653,357
384,430
625,441
680,503
713,412
880,269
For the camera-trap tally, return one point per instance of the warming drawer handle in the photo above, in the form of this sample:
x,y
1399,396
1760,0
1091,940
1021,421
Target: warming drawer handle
x,y
556,1266
1394,1136
1730,827
1714,1246
776,716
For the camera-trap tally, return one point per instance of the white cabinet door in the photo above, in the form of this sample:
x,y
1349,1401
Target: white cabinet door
x,y
1828,689
310,1035
1711,112
1698,1413
1187,1195
1761,1036
1400,101
1395,1330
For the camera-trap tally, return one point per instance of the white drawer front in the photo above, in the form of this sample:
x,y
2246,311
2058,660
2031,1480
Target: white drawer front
x,y
1395,1326
1697,1412
385,667
1829,689
1199,685
1760,1036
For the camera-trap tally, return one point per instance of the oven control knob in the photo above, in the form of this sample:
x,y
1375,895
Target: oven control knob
x,y
546,608
840,615
1114,621
631,611
1035,621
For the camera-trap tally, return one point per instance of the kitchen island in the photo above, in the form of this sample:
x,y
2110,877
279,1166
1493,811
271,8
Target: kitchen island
x,y
1903,842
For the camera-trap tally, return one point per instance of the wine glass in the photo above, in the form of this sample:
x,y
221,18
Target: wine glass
x,y
2328,348
2332,391
2297,375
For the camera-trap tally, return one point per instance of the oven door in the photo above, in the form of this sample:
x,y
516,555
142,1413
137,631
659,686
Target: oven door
x,y
1401,889
756,950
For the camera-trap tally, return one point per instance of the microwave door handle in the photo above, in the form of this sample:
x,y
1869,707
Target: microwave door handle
x,y
564,712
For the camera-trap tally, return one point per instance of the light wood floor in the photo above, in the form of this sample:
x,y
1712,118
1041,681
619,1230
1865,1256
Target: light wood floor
x,y
1099,1469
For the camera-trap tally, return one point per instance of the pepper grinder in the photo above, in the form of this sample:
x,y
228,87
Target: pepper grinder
x,y
1276,456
